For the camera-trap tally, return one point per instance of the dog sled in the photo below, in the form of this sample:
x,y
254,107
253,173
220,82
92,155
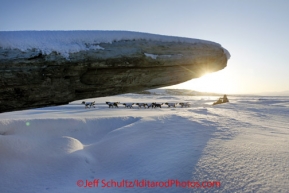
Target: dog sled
x,y
222,100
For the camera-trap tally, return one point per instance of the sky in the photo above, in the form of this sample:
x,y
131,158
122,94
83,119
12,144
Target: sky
x,y
255,32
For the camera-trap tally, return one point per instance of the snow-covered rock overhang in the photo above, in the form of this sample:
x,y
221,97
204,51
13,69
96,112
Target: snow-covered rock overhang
x,y
46,68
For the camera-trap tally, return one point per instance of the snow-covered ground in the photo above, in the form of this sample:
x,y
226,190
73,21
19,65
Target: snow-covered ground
x,y
243,145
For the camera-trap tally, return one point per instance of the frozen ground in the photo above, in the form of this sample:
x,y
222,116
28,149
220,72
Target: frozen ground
x,y
242,144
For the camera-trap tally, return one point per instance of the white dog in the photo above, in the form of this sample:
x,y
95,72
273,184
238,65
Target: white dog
x,y
141,105
128,105
88,104
171,104
185,104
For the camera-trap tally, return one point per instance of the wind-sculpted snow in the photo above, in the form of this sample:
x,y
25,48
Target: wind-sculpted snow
x,y
242,144
107,148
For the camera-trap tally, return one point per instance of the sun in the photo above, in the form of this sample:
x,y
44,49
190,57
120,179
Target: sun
x,y
216,82
210,83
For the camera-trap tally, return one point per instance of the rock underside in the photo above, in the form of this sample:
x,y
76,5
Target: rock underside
x,y
30,79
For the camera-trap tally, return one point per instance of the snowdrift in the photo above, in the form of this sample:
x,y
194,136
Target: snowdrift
x,y
242,144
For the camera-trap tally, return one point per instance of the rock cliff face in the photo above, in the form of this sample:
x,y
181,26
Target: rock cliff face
x,y
30,78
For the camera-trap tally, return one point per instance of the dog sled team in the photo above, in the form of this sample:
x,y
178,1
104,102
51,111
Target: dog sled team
x,y
221,100
139,105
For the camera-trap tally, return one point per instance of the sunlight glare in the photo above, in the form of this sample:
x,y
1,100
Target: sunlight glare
x,y
217,82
